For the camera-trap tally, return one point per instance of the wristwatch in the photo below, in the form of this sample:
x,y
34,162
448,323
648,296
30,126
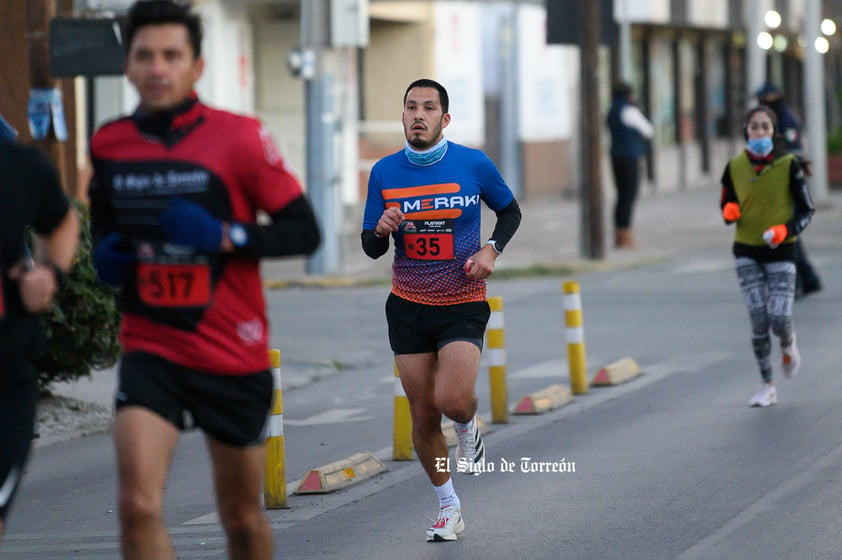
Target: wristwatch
x,y
495,246
238,235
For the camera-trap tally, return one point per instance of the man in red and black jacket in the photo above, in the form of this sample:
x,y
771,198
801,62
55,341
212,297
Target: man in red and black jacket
x,y
174,199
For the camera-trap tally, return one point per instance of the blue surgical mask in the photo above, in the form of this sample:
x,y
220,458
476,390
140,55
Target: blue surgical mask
x,y
760,146
427,157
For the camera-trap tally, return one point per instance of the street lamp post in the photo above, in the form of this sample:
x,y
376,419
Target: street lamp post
x,y
814,108
321,124
755,54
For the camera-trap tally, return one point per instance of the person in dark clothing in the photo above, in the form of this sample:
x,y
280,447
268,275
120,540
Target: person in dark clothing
x,y
629,132
789,136
30,197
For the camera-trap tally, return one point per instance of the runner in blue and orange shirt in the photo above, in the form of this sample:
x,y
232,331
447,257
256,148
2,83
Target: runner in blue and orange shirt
x,y
428,198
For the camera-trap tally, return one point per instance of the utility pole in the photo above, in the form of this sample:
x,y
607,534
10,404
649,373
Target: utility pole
x,y
510,160
625,39
320,127
814,102
592,231
755,56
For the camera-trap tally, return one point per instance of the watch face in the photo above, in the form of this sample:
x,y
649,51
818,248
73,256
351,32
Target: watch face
x,y
238,235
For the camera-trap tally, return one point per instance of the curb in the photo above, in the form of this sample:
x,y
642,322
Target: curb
x,y
536,270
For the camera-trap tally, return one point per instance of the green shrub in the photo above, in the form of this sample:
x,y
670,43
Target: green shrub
x,y
83,325
834,142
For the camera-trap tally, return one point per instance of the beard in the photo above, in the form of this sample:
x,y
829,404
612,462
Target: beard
x,y
419,144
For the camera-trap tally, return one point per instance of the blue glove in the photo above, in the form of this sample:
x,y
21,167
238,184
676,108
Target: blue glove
x,y
191,225
111,263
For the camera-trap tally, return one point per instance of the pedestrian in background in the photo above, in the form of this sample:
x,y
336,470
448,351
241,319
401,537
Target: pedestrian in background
x,y
30,196
427,197
174,199
630,131
765,196
789,135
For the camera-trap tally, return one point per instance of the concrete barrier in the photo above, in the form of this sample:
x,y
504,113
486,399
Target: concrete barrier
x,y
554,396
339,474
615,373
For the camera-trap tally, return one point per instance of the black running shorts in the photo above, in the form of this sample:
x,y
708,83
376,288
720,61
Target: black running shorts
x,y
231,409
416,328
18,395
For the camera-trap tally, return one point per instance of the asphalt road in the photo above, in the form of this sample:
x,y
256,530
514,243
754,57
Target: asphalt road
x,y
673,464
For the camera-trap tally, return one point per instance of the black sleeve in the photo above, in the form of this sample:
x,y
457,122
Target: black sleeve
x,y
53,204
508,220
103,219
728,193
293,231
373,246
803,208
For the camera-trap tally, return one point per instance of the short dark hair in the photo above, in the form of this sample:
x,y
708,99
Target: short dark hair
x,y
767,89
159,12
622,89
428,83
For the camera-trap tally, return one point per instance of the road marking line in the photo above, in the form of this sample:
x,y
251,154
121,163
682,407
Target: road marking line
x,y
335,416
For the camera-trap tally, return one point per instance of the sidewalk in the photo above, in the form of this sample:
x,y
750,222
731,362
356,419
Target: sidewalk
x,y
665,225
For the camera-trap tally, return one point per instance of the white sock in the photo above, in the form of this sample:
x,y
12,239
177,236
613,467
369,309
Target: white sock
x,y
447,495
463,427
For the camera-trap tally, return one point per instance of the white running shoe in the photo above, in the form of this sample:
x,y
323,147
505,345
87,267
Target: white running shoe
x,y
767,396
791,359
470,450
447,526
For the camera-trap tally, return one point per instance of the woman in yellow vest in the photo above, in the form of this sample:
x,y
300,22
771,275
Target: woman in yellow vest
x,y
764,194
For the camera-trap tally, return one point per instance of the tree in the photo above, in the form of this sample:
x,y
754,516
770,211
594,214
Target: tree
x,y
83,324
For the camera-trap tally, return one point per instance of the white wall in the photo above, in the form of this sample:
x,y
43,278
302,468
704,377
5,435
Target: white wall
x,y
548,79
228,80
280,96
458,62
651,11
710,13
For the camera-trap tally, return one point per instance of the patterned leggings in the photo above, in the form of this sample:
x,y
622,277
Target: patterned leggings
x,y
768,290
